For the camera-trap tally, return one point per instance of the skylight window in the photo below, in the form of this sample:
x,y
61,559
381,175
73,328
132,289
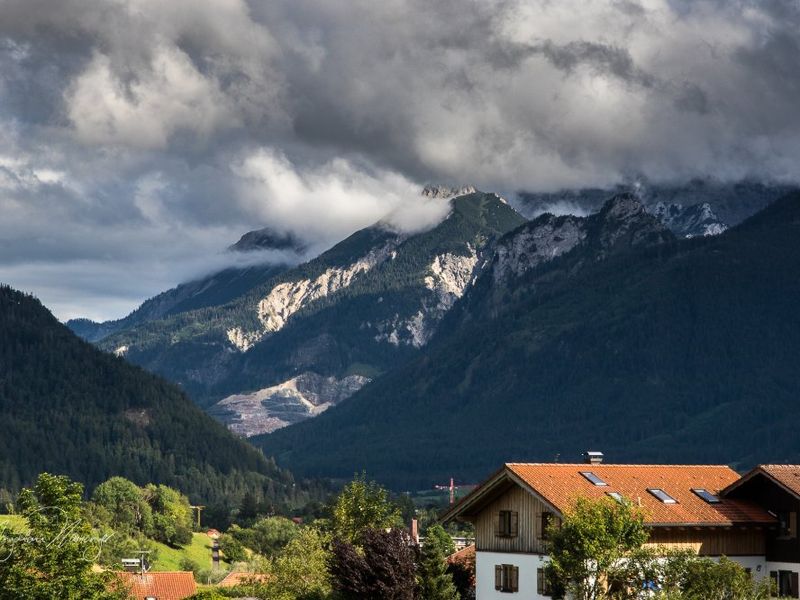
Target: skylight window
x,y
706,495
616,496
594,479
662,495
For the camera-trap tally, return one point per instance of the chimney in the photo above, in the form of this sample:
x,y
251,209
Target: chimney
x,y
591,457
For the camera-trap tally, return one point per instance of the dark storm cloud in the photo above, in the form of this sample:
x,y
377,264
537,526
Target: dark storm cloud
x,y
143,136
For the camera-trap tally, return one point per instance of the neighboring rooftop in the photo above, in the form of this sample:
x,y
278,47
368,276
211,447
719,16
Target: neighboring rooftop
x,y
788,476
163,585
235,578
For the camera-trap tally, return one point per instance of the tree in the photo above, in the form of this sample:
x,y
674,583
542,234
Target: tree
x,y
172,515
384,569
55,558
126,504
268,536
232,549
362,505
248,510
435,582
592,546
300,572
705,579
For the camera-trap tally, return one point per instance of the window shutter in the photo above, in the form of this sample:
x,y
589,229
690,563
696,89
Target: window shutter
x,y
795,591
540,581
515,579
498,518
793,524
498,577
514,524
773,575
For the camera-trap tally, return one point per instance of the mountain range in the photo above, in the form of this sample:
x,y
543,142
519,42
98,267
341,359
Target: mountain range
x,y
603,332
393,336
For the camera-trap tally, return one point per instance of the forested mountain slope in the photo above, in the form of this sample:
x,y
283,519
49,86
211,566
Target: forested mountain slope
x,y
579,336
66,407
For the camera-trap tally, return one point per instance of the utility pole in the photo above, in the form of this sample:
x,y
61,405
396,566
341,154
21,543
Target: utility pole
x,y
199,509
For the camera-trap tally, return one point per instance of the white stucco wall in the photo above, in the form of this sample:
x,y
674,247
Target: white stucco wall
x,y
528,565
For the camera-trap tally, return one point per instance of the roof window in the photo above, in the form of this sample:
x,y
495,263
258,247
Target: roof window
x,y
594,479
662,495
706,495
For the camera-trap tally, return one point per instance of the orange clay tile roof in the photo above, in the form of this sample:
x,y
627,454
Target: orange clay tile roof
x,y
164,585
787,475
466,554
561,484
235,578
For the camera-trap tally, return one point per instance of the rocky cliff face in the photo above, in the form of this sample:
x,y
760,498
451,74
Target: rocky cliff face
x,y
621,224
690,221
290,401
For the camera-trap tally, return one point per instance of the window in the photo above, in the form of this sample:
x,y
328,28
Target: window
x,y
662,495
543,583
787,525
508,523
616,496
547,520
594,479
706,495
785,583
506,578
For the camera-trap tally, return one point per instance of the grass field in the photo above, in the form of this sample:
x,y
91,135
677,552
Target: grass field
x,y
14,522
199,551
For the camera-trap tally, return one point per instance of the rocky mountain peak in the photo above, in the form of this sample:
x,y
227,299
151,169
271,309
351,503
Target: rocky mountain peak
x,y
444,192
624,222
268,239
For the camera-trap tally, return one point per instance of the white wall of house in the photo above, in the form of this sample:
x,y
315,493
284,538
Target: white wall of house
x,y
528,565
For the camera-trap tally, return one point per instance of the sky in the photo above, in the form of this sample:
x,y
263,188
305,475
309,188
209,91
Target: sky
x,y
140,138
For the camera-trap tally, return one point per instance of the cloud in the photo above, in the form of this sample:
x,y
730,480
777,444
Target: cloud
x,y
327,202
144,132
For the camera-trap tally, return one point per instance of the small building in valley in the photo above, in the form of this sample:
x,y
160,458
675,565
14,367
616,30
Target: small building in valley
x,y
159,585
709,509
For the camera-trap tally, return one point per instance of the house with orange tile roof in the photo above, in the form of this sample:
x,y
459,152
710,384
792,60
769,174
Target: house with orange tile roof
x,y
777,489
159,585
686,506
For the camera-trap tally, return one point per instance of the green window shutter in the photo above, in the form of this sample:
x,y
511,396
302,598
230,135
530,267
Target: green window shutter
x,y
514,579
498,577
540,581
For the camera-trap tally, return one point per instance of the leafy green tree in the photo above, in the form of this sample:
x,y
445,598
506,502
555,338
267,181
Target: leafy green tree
x,y
267,536
126,504
55,559
172,515
362,505
706,579
435,582
300,572
592,545
382,568
232,549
